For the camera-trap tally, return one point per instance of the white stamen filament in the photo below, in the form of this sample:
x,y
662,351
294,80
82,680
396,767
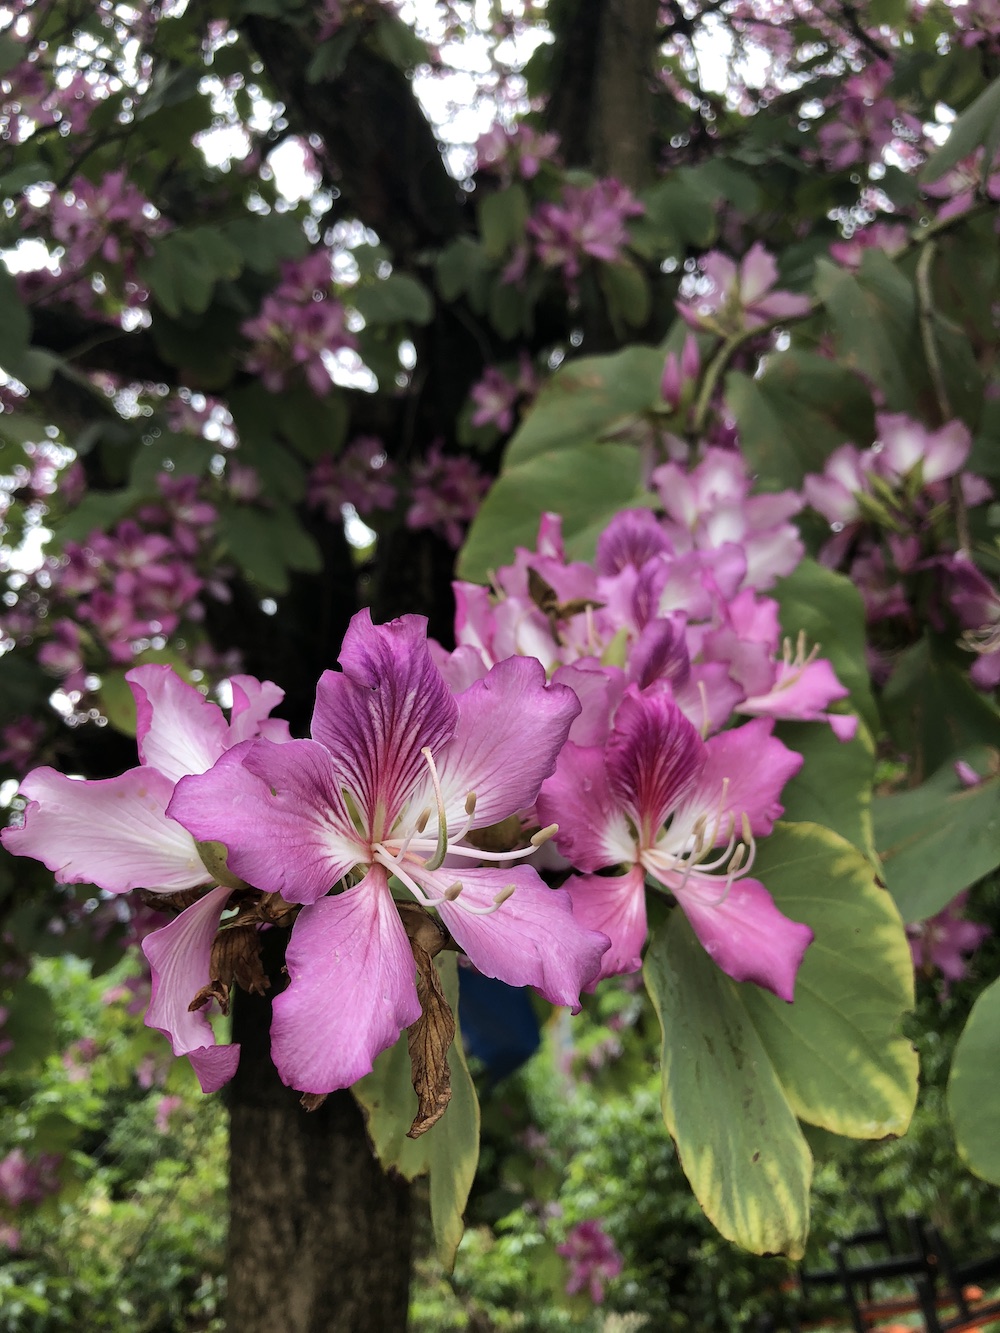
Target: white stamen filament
x,y
441,850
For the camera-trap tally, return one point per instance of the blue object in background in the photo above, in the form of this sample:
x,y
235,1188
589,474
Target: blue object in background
x,y
499,1026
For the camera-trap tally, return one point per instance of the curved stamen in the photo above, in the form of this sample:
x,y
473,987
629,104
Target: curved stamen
x,y
437,860
387,859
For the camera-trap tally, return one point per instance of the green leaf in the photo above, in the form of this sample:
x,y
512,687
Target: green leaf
x,y
978,124
396,299
933,711
98,510
330,59
589,484
461,267
267,543
737,1138
399,43
937,840
796,413
265,240
503,216
626,291
30,1025
828,608
834,785
680,213
974,1088
587,399
874,315
185,265
838,1050
449,1151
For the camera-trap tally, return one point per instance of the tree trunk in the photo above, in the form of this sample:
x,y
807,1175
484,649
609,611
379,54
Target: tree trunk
x,y
319,1238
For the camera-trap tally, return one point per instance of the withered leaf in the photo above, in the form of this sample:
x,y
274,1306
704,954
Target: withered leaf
x,y
429,1040
312,1101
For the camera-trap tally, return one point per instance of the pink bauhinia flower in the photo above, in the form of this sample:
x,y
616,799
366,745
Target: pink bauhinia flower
x,y
659,801
741,296
398,773
592,1257
116,833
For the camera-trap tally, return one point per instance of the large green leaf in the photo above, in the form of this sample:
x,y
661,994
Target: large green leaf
x,y
834,785
502,218
796,413
267,543
185,265
589,484
838,1050
449,1151
978,124
828,607
737,1137
937,840
974,1087
15,327
874,315
586,400
398,298
933,711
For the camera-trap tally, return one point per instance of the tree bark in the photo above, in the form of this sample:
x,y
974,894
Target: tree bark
x,y
319,1237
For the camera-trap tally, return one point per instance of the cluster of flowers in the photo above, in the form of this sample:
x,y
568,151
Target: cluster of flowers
x,y
864,123
885,506
728,298
588,222
497,396
118,592
514,152
298,326
444,489
434,782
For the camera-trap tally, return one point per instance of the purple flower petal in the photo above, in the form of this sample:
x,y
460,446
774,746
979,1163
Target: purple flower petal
x,y
114,833
745,771
180,956
511,727
279,813
615,905
178,730
653,757
532,939
253,701
593,831
388,703
353,988
743,932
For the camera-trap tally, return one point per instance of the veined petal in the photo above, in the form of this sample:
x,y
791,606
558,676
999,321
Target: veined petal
x,y
180,956
511,727
178,730
744,773
277,810
615,905
743,932
253,702
114,833
654,757
352,991
389,702
532,939
593,831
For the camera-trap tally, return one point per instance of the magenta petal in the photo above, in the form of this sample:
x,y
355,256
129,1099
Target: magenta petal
x,y
113,833
180,957
214,1066
653,757
745,772
511,727
388,703
743,932
615,905
278,812
353,988
178,730
532,939
253,701
593,832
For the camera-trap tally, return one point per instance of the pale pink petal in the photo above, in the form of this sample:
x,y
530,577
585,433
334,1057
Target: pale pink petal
x,y
511,727
253,702
742,931
532,939
599,689
615,905
178,730
114,833
745,771
377,714
278,811
758,274
799,694
654,757
593,831
352,990
180,956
